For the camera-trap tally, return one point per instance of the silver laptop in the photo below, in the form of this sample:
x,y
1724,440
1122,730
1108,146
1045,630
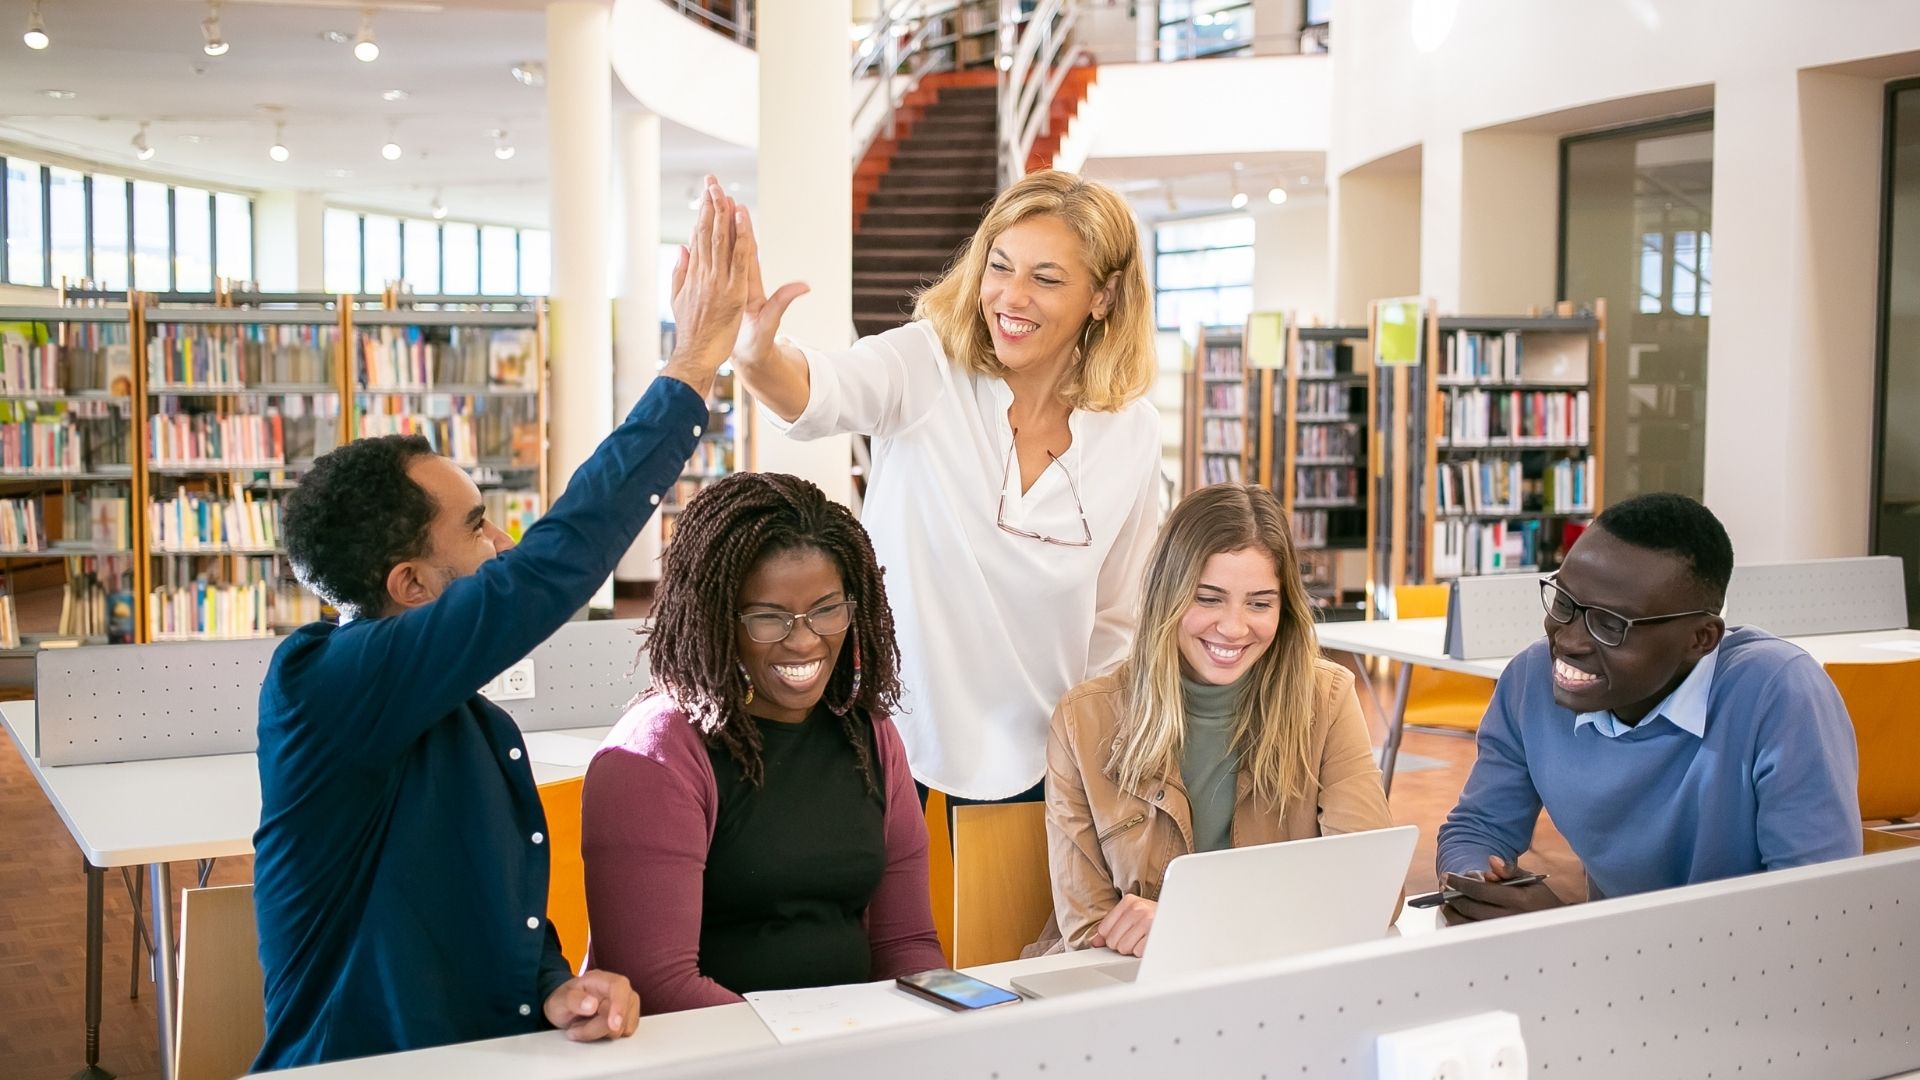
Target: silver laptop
x,y
1251,904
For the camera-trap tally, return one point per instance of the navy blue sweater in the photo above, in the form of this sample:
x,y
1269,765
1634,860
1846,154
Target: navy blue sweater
x,y
400,867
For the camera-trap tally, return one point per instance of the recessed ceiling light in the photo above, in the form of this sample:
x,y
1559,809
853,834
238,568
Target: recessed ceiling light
x,y
59,95
335,37
194,139
393,95
530,73
391,151
340,174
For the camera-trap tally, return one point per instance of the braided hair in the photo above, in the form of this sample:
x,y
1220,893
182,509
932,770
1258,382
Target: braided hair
x,y
720,537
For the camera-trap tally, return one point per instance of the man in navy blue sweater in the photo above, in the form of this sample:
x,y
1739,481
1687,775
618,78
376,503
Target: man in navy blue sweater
x,y
1669,749
401,861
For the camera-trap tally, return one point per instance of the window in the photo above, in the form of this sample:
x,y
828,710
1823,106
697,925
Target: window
x,y
109,232
152,237
233,232
1896,442
536,262
192,240
340,251
1196,29
26,253
420,255
459,259
499,261
67,209
380,237
1203,272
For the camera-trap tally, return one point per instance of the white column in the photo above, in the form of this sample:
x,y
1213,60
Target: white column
x,y
804,219
1290,265
579,121
1796,182
637,314
1509,222
288,241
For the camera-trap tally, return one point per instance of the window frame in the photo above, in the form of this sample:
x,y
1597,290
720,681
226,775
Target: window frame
x,y
1215,288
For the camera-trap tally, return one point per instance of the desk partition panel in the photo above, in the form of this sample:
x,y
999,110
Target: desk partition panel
x,y
192,699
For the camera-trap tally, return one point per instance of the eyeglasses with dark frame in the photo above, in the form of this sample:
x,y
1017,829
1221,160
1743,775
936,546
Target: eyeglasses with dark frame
x,y
1000,516
1607,628
772,627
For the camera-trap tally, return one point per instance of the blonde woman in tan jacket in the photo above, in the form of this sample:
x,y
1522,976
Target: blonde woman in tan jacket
x,y
1223,728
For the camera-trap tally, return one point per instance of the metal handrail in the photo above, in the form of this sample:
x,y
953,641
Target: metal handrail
x,y
741,31
1034,60
882,52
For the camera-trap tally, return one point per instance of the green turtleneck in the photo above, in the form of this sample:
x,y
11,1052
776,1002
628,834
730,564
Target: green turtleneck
x,y
1208,763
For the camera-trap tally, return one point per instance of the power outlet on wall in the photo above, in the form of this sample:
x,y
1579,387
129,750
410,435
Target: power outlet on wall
x,y
513,684
1486,1046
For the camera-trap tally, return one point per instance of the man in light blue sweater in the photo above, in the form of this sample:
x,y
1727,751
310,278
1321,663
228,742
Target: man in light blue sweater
x,y
1668,748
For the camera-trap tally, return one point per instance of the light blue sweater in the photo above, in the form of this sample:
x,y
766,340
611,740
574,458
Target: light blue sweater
x,y
1771,782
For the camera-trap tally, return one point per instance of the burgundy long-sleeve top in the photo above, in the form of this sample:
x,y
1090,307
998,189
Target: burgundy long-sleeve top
x,y
648,813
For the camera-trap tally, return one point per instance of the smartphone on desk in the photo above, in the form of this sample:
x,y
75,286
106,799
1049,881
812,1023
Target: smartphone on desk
x,y
961,993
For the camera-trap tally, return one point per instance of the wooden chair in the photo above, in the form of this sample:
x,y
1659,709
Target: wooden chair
x,y
567,876
1880,697
1002,897
222,1010
940,871
1439,699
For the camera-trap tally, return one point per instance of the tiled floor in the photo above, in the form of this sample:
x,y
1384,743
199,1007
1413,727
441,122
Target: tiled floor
x,y
43,905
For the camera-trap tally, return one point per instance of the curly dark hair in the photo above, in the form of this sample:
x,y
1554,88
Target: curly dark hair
x,y
354,516
1677,525
721,536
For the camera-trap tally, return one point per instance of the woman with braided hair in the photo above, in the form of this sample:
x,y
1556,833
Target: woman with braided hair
x,y
750,824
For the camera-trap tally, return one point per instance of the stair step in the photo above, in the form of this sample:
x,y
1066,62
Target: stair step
x,y
974,199
962,222
919,259
933,152
905,279
931,234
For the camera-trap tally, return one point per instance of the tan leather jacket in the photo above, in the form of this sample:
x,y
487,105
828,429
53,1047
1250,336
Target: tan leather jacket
x,y
1105,841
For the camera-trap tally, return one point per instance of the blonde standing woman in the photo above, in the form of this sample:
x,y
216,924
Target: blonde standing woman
x,y
1224,728
1016,478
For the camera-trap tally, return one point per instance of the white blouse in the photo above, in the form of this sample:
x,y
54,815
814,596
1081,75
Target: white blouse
x,y
993,628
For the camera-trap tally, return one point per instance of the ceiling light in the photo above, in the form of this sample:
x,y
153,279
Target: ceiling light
x,y
391,151
340,174
58,95
502,149
365,49
278,151
1006,61
142,149
1239,200
210,28
393,95
36,35
530,73
334,37
1276,194
438,209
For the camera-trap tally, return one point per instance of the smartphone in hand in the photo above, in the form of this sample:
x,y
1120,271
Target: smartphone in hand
x,y
961,993
1435,899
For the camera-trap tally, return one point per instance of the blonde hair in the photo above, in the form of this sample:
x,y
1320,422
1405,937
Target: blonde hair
x,y
1273,711
1116,364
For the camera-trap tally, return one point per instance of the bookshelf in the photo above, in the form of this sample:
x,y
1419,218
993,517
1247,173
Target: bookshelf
x,y
1320,459
1496,439
1218,436
722,446
66,476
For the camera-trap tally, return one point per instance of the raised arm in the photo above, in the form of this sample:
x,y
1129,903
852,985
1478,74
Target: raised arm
x,y
774,373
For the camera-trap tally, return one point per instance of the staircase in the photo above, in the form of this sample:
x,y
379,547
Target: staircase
x,y
918,196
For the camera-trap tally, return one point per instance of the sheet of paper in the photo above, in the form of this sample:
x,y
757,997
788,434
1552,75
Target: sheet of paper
x,y
1909,647
553,748
797,1016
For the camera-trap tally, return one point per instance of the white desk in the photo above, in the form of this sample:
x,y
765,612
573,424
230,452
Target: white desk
x,y
152,813
1423,642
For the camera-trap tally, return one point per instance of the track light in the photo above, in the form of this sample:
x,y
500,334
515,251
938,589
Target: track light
x,y
530,73
210,29
391,149
278,151
142,149
365,49
502,149
438,209
1276,194
36,35
1239,200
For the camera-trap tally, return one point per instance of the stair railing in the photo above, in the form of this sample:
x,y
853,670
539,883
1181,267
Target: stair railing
x,y
896,41
1035,54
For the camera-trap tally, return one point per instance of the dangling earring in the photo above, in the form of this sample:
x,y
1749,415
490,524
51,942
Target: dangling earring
x,y
853,692
748,679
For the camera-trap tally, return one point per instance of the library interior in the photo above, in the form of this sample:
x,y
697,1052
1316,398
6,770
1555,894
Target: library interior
x,y
1243,456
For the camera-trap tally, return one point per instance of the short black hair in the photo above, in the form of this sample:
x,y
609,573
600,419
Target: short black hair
x,y
355,515
1676,525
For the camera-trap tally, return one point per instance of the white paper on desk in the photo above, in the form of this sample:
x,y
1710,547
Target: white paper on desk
x,y
1896,646
553,748
797,1016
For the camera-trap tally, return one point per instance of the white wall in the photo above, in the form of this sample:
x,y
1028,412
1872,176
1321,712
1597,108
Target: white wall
x,y
1796,159
1230,106
1291,271
288,251
685,72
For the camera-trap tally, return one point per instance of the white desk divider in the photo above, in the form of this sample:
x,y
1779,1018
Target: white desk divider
x,y
1493,615
1819,596
192,699
1811,972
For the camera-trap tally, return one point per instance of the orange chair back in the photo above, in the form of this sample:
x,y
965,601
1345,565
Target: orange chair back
x,y
567,877
1880,697
1442,699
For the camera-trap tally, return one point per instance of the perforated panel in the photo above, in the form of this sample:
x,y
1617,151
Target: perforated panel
x,y
1827,596
1495,615
142,702
1804,974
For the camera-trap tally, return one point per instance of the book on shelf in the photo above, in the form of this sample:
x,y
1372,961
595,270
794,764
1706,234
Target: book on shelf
x,y
1310,528
1484,486
1491,547
450,436
1324,441
1478,417
215,441
47,444
1222,360
203,609
9,623
22,530
191,521
1477,355
421,357
1321,400
1567,487
1321,359
217,358
512,361
1223,436
1220,469
512,511
527,445
1229,397
29,360
1326,484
